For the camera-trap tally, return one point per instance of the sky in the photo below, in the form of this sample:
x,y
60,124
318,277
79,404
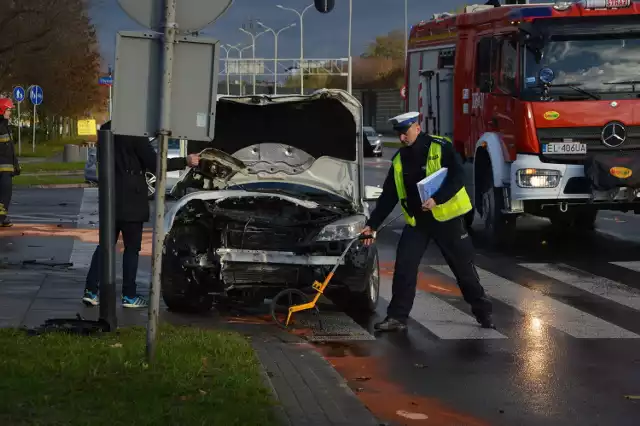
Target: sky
x,y
325,35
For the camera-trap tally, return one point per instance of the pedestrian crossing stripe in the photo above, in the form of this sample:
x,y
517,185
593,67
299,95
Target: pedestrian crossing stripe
x,y
632,265
598,286
549,311
447,322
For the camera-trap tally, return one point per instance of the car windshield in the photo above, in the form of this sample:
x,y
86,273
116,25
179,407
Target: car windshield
x,y
599,64
370,131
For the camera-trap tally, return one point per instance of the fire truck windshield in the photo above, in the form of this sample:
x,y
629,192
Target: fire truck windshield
x,y
598,65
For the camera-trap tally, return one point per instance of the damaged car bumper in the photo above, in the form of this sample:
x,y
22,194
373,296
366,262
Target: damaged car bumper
x,y
227,255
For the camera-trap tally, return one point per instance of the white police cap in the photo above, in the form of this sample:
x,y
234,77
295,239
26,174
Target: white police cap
x,y
404,121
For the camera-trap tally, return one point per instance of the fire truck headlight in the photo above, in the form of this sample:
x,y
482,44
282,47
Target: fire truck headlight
x,y
538,178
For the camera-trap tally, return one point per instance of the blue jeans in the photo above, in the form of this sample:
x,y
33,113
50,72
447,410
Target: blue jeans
x,y
132,238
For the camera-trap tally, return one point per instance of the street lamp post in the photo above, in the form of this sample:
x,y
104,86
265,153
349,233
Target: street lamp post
x,y
275,59
349,59
253,51
300,15
226,68
240,57
406,33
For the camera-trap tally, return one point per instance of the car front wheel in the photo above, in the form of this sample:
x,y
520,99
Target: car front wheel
x,y
366,301
182,290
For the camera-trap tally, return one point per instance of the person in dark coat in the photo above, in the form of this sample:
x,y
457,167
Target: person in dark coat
x,y
133,156
9,165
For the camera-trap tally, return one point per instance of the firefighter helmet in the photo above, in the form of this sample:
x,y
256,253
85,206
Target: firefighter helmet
x,y
5,104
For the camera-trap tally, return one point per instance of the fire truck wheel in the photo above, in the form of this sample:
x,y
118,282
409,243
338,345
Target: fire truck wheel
x,y
499,228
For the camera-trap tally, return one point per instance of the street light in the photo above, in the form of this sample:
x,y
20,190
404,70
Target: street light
x,y
226,68
300,15
406,33
275,59
350,61
253,47
240,55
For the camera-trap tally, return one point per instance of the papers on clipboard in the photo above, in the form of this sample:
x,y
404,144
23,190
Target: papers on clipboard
x,y
430,185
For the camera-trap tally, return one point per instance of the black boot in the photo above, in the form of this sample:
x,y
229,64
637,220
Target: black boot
x,y
390,324
485,321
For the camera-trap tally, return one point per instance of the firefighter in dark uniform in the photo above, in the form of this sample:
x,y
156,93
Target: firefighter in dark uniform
x,y
9,166
440,218
133,156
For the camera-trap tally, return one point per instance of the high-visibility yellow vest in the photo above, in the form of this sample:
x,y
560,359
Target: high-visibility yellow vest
x,y
458,205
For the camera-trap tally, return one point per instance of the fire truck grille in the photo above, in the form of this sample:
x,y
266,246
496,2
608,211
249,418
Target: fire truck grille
x,y
592,136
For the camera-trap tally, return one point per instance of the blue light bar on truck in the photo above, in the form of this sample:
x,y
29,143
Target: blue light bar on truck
x,y
530,12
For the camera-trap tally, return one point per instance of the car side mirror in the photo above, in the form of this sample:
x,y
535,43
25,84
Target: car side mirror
x,y
379,135
372,193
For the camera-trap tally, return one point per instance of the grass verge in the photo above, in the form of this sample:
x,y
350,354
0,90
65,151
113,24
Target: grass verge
x,y
52,166
200,377
47,180
47,149
392,144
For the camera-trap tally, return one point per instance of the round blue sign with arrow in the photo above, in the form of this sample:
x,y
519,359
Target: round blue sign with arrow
x,y
36,95
18,94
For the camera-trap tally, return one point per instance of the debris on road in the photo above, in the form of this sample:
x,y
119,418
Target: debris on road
x,y
412,416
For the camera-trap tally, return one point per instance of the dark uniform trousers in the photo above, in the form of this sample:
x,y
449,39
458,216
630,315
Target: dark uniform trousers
x,y
132,239
6,191
456,246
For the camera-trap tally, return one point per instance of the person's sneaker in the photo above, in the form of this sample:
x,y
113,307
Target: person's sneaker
x,y
6,223
90,298
390,324
134,302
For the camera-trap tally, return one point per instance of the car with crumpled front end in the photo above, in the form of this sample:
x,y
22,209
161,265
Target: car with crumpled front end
x,y
276,198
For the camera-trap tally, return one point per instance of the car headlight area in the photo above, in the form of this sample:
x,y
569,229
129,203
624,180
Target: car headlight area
x,y
342,229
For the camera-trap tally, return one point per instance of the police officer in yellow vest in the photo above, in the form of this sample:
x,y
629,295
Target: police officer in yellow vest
x,y
440,218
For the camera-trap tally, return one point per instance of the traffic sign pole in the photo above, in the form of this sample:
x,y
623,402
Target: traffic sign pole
x,y
19,135
33,143
36,95
18,96
170,27
110,95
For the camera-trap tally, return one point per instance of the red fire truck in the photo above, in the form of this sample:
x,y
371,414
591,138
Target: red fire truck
x,y
542,101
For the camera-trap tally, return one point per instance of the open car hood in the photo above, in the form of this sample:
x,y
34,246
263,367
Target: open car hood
x,y
310,142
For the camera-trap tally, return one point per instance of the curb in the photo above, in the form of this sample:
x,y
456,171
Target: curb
x,y
55,173
57,186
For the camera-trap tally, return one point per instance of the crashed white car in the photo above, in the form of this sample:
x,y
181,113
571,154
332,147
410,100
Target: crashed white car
x,y
276,198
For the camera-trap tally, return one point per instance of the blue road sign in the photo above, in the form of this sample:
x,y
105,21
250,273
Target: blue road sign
x,y
105,81
36,95
18,94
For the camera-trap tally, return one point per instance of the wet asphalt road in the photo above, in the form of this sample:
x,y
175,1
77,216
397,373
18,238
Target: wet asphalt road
x,y
567,308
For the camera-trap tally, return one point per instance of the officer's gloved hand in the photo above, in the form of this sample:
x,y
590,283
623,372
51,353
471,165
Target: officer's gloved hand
x,y
367,231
